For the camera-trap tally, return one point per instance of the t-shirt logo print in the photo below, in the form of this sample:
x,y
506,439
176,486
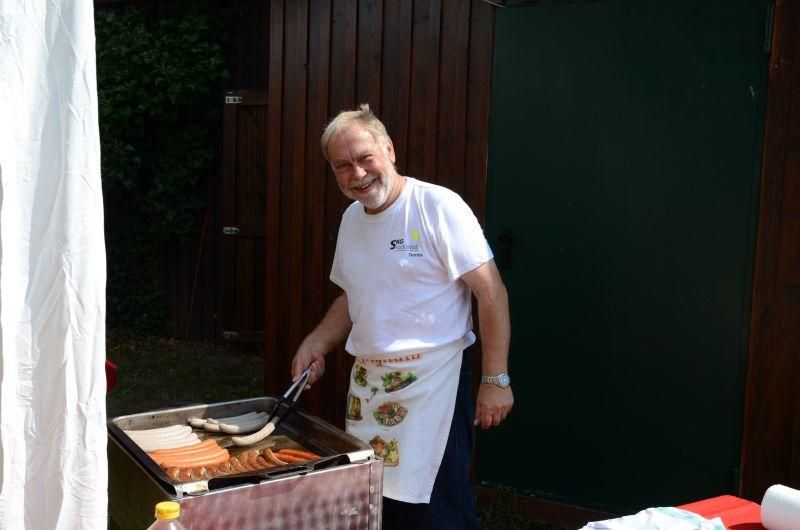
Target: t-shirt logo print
x,y
412,248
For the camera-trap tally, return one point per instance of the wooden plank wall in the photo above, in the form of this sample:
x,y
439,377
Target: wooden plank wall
x,y
771,446
424,66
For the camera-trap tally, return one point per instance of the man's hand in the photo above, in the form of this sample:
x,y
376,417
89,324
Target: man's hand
x,y
494,404
309,354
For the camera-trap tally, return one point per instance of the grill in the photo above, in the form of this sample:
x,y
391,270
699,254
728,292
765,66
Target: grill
x,y
341,490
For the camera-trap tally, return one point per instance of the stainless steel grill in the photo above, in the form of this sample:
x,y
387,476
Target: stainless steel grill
x,y
341,490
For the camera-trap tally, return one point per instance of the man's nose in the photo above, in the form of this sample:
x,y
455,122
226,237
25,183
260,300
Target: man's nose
x,y
360,172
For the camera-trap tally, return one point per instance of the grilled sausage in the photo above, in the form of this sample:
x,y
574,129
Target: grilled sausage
x,y
185,475
255,437
205,445
200,460
298,453
237,466
262,462
225,468
270,456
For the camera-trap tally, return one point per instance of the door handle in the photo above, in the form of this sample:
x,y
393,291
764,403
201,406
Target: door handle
x,y
504,251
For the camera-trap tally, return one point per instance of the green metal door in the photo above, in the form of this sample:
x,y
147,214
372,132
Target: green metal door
x,y
623,171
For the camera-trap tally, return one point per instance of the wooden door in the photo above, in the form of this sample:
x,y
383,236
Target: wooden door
x,y
243,230
623,186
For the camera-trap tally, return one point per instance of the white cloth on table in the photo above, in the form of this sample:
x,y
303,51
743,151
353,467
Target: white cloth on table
x,y
664,518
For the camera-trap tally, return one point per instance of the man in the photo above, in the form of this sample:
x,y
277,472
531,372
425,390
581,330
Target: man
x,y
408,257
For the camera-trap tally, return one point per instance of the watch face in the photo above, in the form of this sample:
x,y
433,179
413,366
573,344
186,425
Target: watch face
x,y
504,380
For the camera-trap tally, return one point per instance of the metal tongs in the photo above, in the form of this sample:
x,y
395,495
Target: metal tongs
x,y
287,402
300,385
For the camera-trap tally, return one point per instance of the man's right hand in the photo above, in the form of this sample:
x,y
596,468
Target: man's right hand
x,y
309,354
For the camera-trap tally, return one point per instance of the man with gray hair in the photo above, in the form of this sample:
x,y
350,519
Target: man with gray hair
x,y
409,257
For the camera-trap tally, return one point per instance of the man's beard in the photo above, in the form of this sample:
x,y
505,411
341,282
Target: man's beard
x,y
376,196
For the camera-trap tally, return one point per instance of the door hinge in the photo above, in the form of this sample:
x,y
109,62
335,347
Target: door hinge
x,y
233,100
768,23
230,335
230,230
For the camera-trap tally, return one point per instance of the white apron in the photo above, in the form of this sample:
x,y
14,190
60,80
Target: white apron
x,y
403,407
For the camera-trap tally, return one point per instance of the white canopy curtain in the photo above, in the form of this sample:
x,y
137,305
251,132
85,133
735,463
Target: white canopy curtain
x,y
52,270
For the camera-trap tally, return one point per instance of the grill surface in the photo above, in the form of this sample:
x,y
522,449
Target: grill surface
x,y
341,490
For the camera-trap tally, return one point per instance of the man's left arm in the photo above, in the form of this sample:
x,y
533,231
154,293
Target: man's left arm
x,y
494,403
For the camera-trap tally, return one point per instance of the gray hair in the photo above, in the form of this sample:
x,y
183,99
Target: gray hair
x,y
364,117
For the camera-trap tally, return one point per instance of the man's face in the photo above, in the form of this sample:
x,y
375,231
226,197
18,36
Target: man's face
x,y
364,168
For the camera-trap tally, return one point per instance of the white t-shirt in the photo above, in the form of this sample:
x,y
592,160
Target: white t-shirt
x,y
401,267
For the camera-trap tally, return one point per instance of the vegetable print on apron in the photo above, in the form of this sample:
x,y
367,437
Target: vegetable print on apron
x,y
403,406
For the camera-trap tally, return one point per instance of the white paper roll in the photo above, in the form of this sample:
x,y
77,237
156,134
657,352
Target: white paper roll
x,y
780,509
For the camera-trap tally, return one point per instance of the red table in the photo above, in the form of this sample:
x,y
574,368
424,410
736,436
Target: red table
x,y
736,513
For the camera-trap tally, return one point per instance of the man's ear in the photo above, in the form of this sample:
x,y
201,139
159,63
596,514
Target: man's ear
x,y
390,150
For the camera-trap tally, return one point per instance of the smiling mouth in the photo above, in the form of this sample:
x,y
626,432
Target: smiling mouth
x,y
364,187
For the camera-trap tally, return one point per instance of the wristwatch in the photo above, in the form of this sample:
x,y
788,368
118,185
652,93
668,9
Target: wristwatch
x,y
501,380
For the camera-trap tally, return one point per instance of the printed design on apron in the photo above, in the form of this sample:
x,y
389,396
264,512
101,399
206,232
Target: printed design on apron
x,y
388,451
405,406
354,408
360,375
390,413
394,381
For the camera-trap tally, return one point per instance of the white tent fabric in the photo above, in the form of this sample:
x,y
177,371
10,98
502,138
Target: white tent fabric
x,y
52,270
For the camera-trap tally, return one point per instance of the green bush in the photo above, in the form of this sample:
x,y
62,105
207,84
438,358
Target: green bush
x,y
160,73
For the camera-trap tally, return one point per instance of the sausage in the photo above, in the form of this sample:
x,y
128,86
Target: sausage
x,y
270,457
185,475
255,437
237,466
200,460
196,422
225,468
290,459
262,462
207,451
299,453
158,431
244,460
196,447
147,435
154,445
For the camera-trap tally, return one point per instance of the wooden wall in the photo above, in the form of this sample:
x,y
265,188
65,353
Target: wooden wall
x,y
424,66
771,446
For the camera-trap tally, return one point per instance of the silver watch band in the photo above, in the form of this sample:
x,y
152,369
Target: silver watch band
x,y
502,380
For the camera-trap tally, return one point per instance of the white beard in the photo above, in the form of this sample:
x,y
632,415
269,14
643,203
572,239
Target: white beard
x,y
376,196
